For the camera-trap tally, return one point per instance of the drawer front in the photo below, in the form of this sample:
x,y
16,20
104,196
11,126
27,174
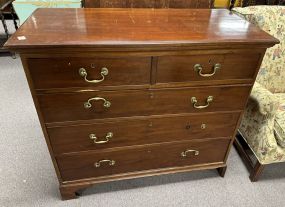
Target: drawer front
x,y
141,131
91,164
69,72
208,67
110,104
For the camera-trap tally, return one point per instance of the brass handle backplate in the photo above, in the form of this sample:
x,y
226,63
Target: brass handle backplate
x,y
198,68
184,154
195,101
88,104
107,138
83,73
98,164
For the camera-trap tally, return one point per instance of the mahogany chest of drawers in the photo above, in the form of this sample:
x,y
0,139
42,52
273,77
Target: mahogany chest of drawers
x,y
125,93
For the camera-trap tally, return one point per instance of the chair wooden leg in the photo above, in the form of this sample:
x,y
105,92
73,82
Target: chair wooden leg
x,y
232,4
256,172
13,13
243,150
3,20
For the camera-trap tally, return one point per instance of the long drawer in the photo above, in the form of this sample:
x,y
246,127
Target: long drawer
x,y
81,72
149,130
96,164
206,67
111,104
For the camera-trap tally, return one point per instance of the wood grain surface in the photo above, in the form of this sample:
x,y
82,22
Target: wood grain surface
x,y
148,3
64,72
105,28
181,68
70,107
81,165
148,130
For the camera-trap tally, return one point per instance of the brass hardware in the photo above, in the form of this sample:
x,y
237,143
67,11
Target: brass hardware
x,y
194,101
188,126
184,154
83,73
98,164
199,68
203,126
88,105
151,95
94,138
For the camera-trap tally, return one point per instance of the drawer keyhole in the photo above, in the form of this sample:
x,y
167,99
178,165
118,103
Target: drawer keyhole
x,y
188,126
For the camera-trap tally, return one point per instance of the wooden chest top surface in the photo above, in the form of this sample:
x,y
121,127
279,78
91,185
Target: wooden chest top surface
x,y
105,28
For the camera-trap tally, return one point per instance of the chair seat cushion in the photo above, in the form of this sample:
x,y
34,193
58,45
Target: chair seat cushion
x,y
279,123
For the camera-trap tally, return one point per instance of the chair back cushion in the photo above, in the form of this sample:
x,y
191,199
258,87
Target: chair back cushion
x,y
272,20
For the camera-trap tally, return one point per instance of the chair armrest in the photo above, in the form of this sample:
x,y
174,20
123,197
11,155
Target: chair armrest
x,y
257,124
266,102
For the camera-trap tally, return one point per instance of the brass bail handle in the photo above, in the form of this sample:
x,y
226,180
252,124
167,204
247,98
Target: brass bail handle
x,y
88,104
193,152
111,162
95,138
83,73
195,101
198,68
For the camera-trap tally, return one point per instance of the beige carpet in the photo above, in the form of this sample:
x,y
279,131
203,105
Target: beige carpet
x,y
27,177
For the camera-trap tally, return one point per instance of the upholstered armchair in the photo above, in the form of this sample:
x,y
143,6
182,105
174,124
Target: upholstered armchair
x,y
263,124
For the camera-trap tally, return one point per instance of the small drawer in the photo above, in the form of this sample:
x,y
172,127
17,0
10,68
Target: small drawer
x,y
112,104
132,132
97,164
89,72
207,67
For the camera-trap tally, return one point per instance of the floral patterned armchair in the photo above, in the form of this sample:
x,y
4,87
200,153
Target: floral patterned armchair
x,y
263,123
